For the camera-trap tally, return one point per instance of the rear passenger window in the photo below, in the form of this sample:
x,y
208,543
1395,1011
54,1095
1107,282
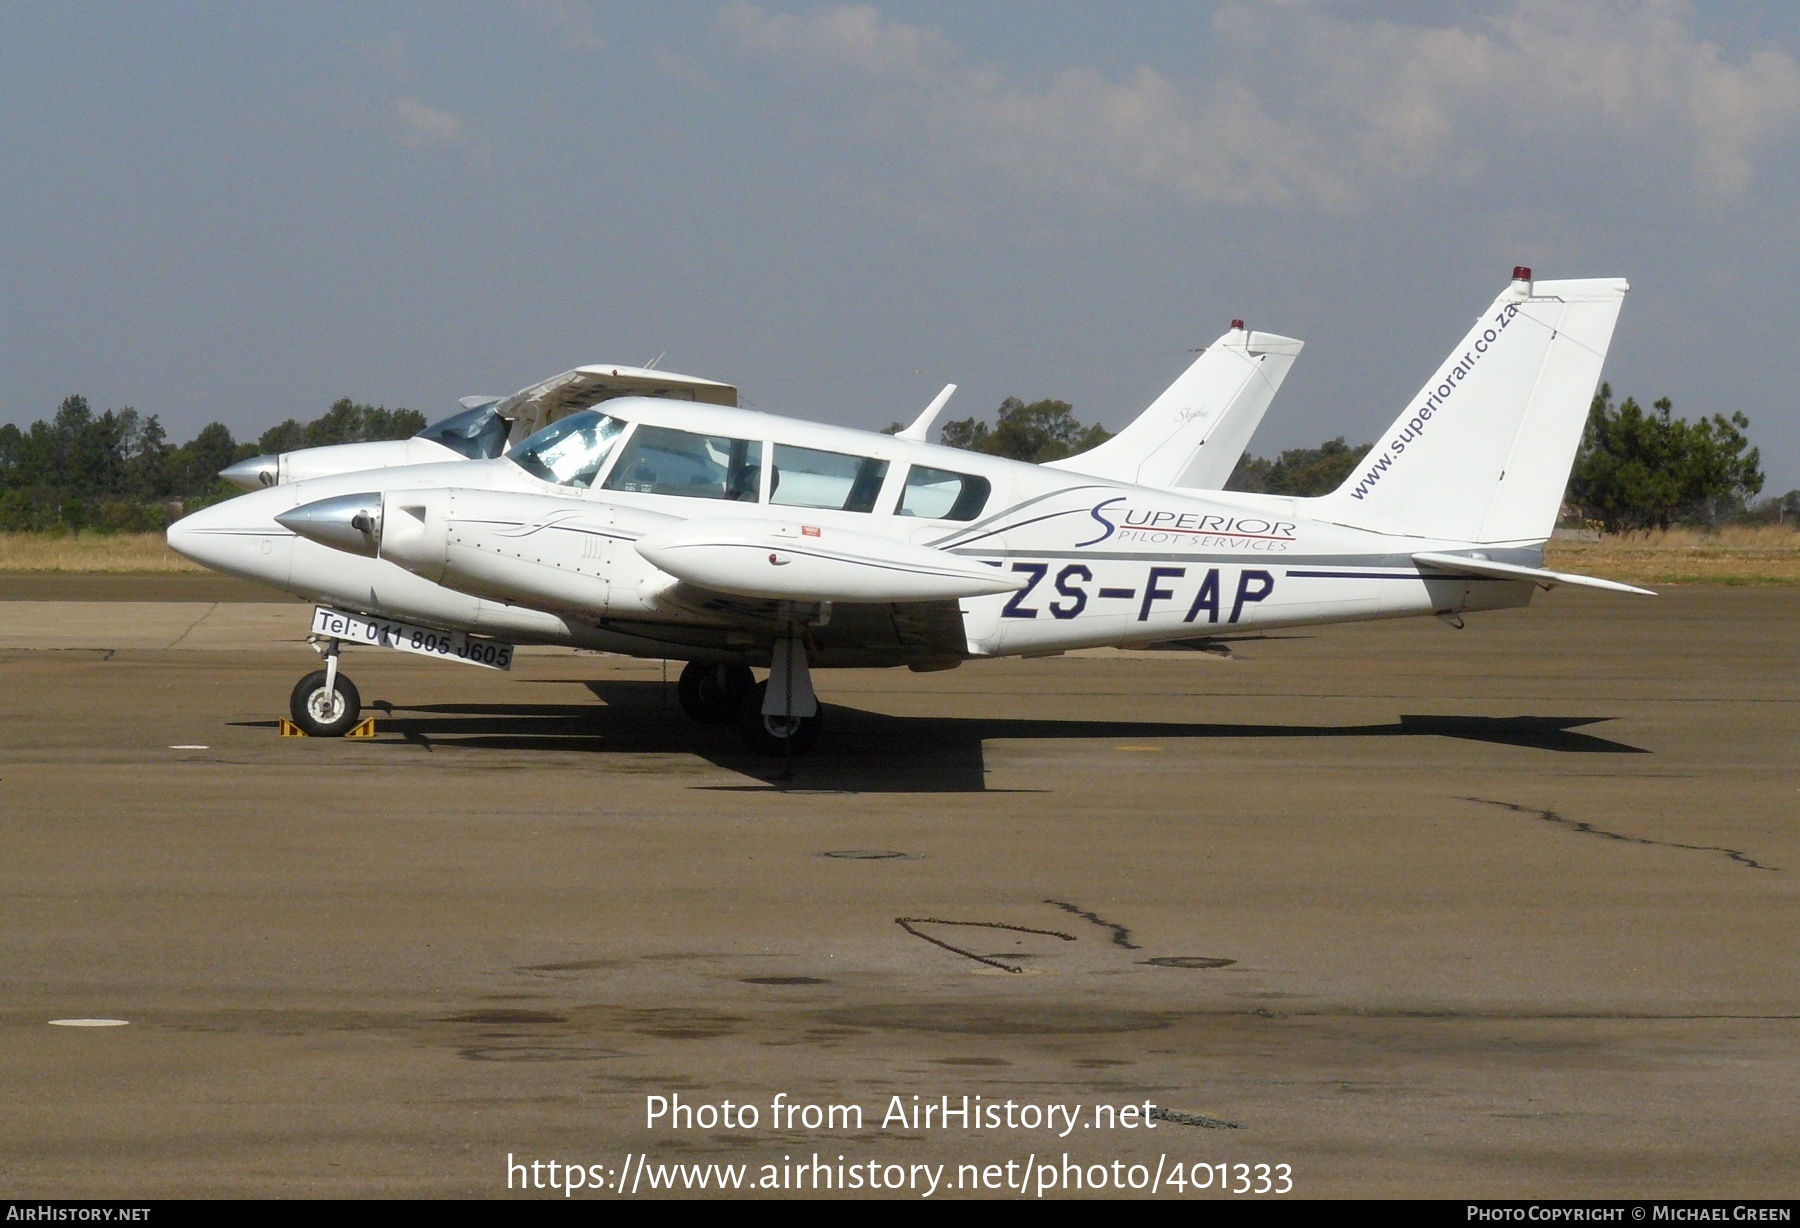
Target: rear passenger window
x,y
806,477
938,494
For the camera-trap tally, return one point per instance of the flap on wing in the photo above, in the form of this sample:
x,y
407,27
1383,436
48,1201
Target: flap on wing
x,y
1512,571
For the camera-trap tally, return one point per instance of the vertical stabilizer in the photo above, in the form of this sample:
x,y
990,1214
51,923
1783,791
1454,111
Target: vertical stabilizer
x,y
1483,452
1193,434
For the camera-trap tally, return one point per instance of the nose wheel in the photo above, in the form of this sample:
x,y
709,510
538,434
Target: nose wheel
x,y
325,709
325,703
714,694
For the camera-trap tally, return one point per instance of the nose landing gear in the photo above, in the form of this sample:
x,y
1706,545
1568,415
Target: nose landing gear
x,y
325,703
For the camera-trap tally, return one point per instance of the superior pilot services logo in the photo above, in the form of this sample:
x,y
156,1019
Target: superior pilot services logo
x,y
1121,522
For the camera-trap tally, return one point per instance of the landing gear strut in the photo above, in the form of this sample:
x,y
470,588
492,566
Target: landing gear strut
x,y
325,703
714,694
781,734
783,716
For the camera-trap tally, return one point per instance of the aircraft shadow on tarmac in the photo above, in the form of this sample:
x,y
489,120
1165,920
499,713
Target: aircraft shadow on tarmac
x,y
865,751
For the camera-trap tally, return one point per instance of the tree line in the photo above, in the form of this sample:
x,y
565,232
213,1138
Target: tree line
x,y
117,471
1649,470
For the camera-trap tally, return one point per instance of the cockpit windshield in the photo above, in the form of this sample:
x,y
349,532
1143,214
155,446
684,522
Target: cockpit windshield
x,y
571,452
479,434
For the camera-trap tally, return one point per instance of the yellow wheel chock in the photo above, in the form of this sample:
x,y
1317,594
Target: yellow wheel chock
x,y
364,729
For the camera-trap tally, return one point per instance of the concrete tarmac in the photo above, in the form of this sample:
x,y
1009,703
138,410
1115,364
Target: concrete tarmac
x,y
1509,911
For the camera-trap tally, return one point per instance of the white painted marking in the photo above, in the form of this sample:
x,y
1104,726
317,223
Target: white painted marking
x,y
89,1023
190,746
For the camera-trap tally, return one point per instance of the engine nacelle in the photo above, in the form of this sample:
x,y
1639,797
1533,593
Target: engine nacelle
x,y
777,560
533,550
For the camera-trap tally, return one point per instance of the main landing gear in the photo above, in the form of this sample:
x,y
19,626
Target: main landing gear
x,y
778,717
714,694
783,716
780,733
325,703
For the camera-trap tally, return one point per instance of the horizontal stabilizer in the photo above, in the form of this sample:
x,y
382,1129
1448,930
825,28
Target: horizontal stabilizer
x,y
1512,571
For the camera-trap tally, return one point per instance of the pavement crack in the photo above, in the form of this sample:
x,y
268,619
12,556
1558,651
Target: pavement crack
x,y
1121,936
907,923
210,610
1588,829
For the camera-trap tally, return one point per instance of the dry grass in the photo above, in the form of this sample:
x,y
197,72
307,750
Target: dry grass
x,y
90,552
1767,554
1736,554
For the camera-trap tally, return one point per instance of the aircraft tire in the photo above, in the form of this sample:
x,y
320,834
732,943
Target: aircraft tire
x,y
763,734
323,716
714,694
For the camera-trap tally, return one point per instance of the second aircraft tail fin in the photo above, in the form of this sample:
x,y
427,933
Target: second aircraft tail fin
x,y
1193,434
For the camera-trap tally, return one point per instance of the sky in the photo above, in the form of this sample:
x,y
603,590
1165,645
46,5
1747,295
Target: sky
x,y
241,212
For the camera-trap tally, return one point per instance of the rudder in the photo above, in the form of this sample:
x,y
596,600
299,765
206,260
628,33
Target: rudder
x,y
1482,453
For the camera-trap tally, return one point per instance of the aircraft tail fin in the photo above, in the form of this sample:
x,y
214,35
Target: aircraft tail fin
x,y
1483,452
1193,434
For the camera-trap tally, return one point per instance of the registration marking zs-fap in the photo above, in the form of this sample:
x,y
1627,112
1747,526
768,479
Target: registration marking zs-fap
x,y
426,641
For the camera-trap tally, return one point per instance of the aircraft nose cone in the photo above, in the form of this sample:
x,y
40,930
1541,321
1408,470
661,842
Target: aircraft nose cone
x,y
238,537
351,523
255,473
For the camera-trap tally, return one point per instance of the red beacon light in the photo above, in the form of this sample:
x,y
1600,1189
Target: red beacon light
x,y
1238,325
1521,273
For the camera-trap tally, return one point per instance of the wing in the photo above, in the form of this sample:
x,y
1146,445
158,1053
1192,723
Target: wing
x,y
534,408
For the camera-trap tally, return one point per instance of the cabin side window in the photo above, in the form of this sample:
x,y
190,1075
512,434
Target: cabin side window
x,y
939,494
807,477
659,460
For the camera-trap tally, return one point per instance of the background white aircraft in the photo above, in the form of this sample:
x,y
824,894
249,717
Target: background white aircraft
x,y
485,428
732,539
1208,415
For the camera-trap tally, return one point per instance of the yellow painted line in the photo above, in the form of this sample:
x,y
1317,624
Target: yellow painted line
x,y
1137,748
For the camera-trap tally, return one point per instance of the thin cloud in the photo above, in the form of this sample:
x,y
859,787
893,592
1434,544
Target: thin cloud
x,y
1315,111
422,126
684,71
572,21
390,53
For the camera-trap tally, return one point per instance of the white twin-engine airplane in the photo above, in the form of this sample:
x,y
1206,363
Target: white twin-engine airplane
x,y
732,539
